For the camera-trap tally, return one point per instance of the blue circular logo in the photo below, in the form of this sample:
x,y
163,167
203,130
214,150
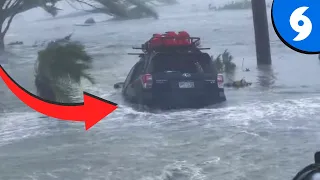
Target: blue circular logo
x,y
297,24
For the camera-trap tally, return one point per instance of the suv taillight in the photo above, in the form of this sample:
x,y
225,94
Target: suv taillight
x,y
146,80
220,81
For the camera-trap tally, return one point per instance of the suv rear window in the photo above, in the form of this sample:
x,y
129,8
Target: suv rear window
x,y
183,63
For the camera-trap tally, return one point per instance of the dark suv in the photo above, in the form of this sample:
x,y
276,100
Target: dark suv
x,y
174,77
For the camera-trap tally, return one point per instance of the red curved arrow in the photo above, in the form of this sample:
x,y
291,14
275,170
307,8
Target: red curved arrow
x,y
91,111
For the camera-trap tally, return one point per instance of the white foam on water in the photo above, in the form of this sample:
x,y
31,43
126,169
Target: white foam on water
x,y
180,170
266,113
275,115
19,126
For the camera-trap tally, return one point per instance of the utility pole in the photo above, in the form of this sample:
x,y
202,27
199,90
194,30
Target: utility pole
x,y
260,22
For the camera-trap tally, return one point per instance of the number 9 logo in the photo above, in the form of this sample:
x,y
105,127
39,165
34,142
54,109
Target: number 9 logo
x,y
300,23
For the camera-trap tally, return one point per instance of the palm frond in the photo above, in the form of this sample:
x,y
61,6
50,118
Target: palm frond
x,y
63,63
224,63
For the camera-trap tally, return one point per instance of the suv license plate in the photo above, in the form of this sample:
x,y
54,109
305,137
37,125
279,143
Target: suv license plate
x,y
186,84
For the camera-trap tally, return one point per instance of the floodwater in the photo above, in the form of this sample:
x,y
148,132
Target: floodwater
x,y
267,131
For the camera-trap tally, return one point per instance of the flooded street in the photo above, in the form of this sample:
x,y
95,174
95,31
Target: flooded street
x,y
267,131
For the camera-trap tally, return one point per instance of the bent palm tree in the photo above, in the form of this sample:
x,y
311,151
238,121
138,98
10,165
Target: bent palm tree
x,y
59,70
10,8
223,62
227,58
218,63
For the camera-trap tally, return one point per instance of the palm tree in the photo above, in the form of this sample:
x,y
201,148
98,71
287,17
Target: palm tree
x,y
218,63
223,62
60,68
227,58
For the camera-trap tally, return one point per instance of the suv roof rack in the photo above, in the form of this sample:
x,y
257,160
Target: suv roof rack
x,y
192,46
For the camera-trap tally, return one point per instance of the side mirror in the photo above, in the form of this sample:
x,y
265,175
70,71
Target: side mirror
x,y
310,172
118,85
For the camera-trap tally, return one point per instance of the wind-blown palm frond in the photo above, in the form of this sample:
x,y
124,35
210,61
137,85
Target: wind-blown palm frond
x,y
59,69
223,62
227,58
218,63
